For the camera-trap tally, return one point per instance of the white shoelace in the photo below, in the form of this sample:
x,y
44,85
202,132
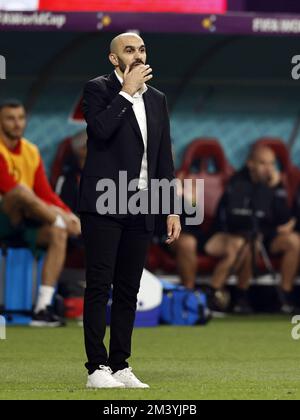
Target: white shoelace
x,y
105,369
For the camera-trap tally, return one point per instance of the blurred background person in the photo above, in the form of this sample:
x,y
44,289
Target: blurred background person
x,y
67,185
30,210
194,240
255,189
296,210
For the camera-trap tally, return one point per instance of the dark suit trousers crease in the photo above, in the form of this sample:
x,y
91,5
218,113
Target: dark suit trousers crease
x,y
115,254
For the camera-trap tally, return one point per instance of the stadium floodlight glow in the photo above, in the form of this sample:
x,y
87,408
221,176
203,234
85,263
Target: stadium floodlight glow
x,y
19,5
2,67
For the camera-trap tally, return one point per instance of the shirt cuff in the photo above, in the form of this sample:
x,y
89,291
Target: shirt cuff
x,y
126,96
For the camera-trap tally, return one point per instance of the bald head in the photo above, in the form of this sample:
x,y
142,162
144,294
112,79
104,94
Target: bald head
x,y
127,48
261,152
123,39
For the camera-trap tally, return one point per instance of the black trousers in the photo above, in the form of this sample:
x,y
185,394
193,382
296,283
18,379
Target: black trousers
x,y
115,254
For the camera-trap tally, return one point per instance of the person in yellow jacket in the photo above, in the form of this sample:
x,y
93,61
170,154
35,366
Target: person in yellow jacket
x,y
29,209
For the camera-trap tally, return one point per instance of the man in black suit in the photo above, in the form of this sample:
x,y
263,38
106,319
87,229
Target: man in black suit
x,y
129,132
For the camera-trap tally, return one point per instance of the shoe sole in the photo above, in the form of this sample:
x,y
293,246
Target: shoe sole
x,y
105,387
137,386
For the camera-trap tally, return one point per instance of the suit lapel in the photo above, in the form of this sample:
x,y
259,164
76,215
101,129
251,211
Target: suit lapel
x,y
116,86
149,115
133,121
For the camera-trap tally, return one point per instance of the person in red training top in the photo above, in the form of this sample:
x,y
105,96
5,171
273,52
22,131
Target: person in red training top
x,y
29,209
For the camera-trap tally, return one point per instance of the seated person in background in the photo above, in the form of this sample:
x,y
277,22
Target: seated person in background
x,y
186,250
29,209
67,185
255,190
191,243
296,210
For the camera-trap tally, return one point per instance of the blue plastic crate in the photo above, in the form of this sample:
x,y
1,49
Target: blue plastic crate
x,y
22,277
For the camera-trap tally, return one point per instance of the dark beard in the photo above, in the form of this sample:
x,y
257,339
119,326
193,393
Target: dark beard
x,y
122,65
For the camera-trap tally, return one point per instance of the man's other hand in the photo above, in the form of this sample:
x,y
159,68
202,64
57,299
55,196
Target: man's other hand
x,y
173,228
275,179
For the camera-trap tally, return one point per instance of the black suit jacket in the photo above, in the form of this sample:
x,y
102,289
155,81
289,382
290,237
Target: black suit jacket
x,y
115,141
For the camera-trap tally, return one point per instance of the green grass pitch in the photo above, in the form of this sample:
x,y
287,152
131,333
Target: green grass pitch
x,y
232,358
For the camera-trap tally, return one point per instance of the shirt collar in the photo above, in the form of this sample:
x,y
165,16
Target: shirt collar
x,y
137,94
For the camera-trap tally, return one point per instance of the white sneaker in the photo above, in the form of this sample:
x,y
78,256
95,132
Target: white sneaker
x,y
102,378
127,377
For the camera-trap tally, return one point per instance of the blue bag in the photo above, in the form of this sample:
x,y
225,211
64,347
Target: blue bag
x,y
181,306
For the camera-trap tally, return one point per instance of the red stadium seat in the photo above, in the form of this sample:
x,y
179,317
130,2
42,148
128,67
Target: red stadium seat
x,y
196,165
290,174
158,259
297,179
65,150
75,256
204,152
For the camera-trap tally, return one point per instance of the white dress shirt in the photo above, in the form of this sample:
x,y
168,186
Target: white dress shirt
x,y
140,114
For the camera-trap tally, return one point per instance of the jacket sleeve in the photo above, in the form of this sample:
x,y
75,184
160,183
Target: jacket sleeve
x,y
103,118
165,168
221,217
166,163
282,212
